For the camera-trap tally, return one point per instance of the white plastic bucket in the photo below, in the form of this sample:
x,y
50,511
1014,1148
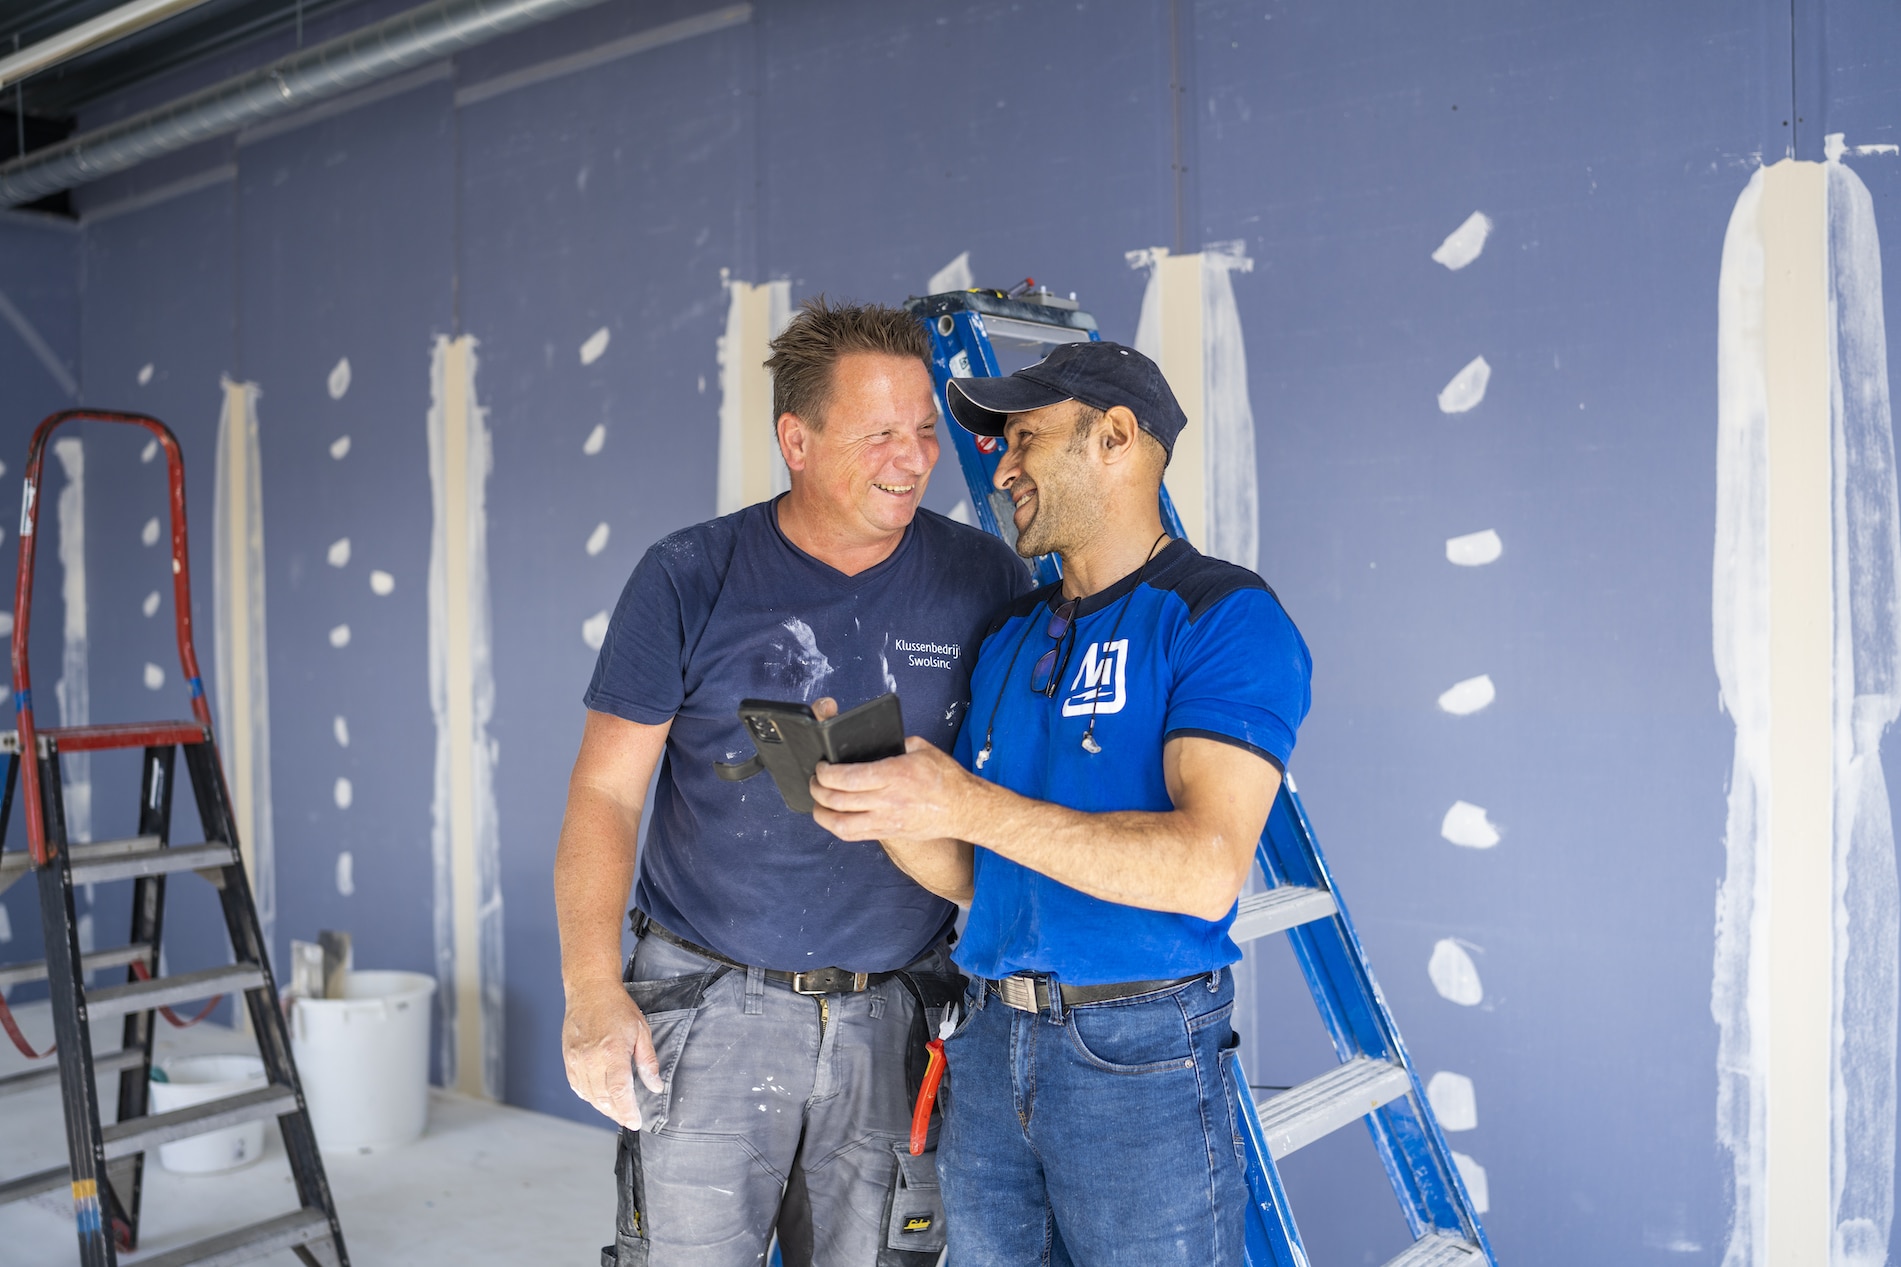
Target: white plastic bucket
x,y
193,1080
364,1059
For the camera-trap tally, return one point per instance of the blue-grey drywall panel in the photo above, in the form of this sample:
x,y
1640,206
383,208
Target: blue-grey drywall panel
x,y
345,251
159,334
1607,143
610,199
39,363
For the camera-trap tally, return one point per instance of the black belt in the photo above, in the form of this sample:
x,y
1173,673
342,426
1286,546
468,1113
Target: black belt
x,y
1032,994
814,981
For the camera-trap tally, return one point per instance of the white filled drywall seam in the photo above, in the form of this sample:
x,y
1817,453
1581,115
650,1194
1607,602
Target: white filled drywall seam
x,y
243,678
74,688
466,836
751,468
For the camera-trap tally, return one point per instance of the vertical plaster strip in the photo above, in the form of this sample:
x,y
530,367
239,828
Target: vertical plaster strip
x,y
462,695
243,681
74,688
751,468
1181,352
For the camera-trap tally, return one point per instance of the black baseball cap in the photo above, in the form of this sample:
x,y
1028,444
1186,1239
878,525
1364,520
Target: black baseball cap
x,y
1100,375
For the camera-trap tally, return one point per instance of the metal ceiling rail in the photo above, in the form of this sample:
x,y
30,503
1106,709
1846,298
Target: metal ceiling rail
x,y
85,36
350,61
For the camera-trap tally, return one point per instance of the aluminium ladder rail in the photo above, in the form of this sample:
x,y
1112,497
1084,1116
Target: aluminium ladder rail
x,y
105,1170
1375,1080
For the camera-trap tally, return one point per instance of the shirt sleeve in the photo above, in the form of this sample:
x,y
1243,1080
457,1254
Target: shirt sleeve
x,y
1242,676
640,674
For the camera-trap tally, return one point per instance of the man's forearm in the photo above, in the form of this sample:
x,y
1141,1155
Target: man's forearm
x,y
593,872
942,866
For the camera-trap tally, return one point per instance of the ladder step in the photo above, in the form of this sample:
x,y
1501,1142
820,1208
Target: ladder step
x,y
1439,1251
242,1245
1279,909
183,987
151,859
141,1134
32,1185
47,1075
1296,1118
12,974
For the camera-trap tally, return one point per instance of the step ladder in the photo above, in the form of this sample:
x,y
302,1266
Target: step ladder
x,y
105,1169
1375,1081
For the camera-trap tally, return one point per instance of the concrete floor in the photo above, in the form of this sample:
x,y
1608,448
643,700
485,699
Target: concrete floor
x,y
484,1185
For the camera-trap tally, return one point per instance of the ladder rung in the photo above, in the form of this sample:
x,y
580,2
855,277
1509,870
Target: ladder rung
x,y
139,1134
13,974
1436,1250
1296,1118
183,987
1279,909
32,1185
153,859
47,1075
241,1245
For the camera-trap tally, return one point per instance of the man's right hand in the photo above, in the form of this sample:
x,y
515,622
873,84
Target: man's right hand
x,y
604,1042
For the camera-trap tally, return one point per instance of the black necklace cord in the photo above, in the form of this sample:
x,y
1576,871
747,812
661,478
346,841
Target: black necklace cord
x,y
990,726
1090,745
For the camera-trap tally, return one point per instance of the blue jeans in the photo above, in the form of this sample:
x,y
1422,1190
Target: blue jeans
x,y
1095,1135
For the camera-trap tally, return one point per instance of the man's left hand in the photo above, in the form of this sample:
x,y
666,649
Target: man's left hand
x,y
921,795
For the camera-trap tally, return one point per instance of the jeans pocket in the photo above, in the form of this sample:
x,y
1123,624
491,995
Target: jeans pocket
x,y
1228,1065
669,1006
1132,1039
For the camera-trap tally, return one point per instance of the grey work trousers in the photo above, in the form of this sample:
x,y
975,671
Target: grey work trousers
x,y
779,1111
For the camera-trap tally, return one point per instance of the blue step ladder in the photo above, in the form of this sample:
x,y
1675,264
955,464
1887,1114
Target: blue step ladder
x,y
1375,1080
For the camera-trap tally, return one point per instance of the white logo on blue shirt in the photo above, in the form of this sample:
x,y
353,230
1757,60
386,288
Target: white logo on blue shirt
x,y
1098,685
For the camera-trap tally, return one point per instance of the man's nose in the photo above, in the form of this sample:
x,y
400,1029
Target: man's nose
x,y
1006,470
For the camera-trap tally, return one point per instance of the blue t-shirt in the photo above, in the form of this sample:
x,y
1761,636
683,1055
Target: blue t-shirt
x,y
1200,647
729,610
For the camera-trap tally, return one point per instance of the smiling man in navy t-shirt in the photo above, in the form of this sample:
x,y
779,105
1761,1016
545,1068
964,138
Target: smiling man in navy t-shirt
x,y
1128,730
763,1008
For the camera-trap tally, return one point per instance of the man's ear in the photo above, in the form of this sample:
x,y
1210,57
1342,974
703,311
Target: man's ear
x,y
795,439
1117,434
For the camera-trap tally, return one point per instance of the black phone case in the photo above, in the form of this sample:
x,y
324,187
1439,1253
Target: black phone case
x,y
790,742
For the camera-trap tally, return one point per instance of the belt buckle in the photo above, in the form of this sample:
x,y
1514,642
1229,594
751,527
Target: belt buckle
x,y
859,982
1018,992
798,984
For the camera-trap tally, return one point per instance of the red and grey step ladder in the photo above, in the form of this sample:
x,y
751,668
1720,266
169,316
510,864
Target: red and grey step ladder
x,y
1374,1080
105,1169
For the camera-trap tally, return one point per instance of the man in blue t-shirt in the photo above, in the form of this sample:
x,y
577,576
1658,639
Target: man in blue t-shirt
x,y
781,973
1128,731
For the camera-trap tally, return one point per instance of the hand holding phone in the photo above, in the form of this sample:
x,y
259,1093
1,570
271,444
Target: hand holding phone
x,y
789,741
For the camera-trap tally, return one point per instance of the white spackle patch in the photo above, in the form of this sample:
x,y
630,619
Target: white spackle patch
x,y
1475,1185
382,583
340,636
338,555
1467,387
1468,696
963,514
1466,824
1453,973
955,275
149,533
6,927
594,630
808,662
343,793
149,452
339,380
1465,243
340,448
154,677
595,439
346,874
73,690
145,373
6,623
86,938
593,346
597,540
340,728
1474,549
150,605
1453,1101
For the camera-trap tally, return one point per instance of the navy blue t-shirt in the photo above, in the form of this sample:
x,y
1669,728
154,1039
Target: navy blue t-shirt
x,y
729,610
1199,648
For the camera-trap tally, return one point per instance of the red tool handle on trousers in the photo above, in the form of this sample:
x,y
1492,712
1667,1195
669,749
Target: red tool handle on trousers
x,y
927,1097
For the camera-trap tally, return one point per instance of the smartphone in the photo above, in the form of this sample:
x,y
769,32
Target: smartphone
x,y
789,742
